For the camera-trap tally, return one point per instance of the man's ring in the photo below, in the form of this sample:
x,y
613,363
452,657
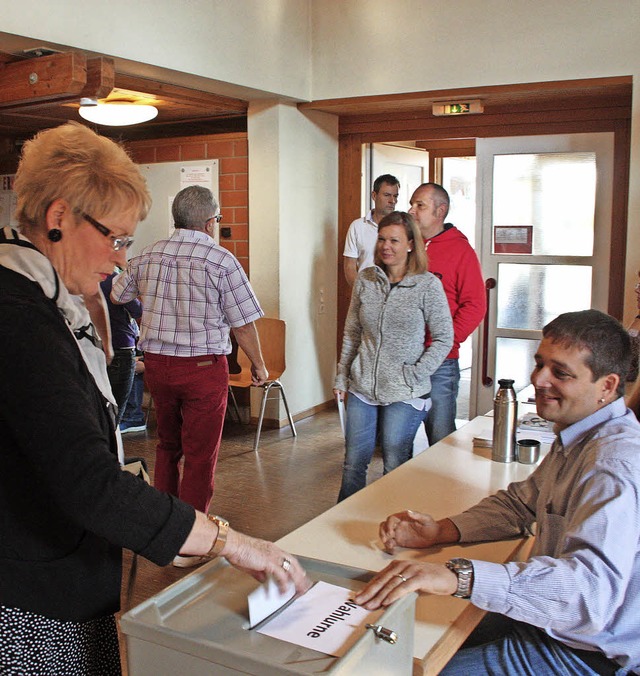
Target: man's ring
x,y
402,577
286,564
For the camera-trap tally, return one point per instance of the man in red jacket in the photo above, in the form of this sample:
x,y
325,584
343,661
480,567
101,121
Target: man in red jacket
x,y
452,259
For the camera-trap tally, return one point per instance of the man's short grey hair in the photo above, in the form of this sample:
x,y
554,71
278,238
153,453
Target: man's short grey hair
x,y
440,195
193,207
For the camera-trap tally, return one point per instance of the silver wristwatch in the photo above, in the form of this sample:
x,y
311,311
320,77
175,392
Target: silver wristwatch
x,y
463,568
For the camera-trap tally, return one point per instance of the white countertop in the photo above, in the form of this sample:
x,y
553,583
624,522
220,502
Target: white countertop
x,y
445,479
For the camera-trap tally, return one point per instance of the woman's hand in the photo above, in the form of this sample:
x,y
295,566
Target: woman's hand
x,y
415,530
262,559
400,578
340,394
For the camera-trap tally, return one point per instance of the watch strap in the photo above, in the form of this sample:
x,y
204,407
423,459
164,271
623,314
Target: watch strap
x,y
221,538
463,568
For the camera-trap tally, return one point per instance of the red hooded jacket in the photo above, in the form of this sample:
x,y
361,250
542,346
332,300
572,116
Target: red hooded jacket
x,y
456,264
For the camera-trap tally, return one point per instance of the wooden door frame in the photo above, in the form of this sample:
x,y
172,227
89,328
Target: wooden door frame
x,y
598,105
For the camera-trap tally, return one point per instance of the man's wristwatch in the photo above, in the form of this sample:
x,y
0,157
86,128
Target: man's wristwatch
x,y
221,539
463,568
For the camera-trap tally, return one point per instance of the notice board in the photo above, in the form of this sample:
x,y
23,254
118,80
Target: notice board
x,y
165,180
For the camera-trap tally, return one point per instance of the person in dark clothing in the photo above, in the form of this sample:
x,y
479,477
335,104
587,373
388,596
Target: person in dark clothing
x,y
124,334
66,507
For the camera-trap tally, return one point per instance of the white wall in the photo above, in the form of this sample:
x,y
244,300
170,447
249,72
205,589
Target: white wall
x,y
365,47
259,44
368,47
293,245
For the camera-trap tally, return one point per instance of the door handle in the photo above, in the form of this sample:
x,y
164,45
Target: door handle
x,y
487,380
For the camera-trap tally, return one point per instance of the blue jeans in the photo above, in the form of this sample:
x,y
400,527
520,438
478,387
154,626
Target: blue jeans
x,y
120,372
397,424
133,414
441,420
503,646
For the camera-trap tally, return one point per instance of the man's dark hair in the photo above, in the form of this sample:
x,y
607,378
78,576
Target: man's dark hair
x,y
603,336
385,178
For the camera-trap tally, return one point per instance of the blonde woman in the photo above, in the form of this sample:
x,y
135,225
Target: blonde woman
x,y
384,364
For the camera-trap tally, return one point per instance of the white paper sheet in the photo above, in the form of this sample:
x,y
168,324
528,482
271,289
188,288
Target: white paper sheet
x,y
266,599
323,619
341,413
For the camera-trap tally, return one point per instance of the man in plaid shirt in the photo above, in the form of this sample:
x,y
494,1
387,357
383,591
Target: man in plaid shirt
x,y
194,293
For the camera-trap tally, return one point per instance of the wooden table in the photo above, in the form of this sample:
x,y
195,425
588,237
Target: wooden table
x,y
444,480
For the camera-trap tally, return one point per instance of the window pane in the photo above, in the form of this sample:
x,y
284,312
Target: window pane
x,y
529,296
553,192
459,180
514,359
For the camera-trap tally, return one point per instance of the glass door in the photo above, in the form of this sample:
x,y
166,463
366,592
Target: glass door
x,y
544,230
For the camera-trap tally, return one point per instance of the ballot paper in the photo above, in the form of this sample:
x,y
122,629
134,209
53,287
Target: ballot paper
x,y
341,414
530,426
324,619
266,599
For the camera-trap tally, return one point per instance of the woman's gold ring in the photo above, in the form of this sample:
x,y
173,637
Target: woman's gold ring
x,y
402,577
286,564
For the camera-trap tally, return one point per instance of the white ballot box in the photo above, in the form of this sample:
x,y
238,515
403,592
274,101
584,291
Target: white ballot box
x,y
200,625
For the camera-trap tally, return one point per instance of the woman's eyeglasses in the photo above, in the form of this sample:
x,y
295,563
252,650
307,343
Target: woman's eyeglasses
x,y
122,242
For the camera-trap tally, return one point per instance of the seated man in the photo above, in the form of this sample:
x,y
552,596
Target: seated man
x,y
574,606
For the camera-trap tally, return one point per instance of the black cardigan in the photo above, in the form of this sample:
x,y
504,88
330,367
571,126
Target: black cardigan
x,y
66,507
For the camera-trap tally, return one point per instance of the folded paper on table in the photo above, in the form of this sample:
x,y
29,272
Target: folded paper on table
x,y
485,438
341,414
266,599
324,619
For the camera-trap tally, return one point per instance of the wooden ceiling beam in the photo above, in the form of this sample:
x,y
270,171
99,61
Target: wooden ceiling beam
x,y
67,80
45,78
101,77
183,95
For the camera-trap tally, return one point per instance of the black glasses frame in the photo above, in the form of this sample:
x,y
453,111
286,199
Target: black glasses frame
x,y
123,242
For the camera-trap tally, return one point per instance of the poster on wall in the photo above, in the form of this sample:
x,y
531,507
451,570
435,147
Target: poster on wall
x,y
198,175
513,239
165,180
7,208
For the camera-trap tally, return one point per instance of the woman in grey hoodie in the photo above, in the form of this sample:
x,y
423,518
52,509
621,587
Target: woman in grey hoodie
x,y
384,364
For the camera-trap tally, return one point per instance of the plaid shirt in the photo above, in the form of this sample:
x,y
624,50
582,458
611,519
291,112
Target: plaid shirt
x,y
193,292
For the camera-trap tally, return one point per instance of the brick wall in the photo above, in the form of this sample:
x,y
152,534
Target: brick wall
x,y
232,152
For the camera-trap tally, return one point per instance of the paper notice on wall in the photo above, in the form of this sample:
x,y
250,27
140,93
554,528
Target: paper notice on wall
x,y
8,202
196,176
324,619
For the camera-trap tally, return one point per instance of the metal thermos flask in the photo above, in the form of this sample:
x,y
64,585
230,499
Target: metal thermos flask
x,y
505,415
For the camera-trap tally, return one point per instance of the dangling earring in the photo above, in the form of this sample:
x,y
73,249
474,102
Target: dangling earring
x,y
55,234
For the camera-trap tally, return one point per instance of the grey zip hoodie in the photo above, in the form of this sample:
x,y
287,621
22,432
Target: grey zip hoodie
x,y
383,353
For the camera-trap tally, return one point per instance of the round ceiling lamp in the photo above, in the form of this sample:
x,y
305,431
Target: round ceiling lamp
x,y
116,113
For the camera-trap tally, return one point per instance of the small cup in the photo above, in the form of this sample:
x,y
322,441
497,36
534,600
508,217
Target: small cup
x,y
528,451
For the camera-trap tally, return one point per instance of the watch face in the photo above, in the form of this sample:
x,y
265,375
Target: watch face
x,y
461,564
463,568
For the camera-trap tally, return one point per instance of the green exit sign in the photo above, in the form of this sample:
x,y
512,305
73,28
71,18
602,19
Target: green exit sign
x,y
458,107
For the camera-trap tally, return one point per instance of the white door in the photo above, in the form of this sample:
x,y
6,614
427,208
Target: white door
x,y
409,165
544,236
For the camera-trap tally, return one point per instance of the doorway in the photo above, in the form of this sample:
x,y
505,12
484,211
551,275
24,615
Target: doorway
x,y
544,234
527,110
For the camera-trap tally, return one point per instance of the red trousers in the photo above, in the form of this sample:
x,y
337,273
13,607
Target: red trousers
x,y
190,398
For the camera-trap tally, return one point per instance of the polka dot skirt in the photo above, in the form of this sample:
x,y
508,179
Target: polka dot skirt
x,y
34,645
